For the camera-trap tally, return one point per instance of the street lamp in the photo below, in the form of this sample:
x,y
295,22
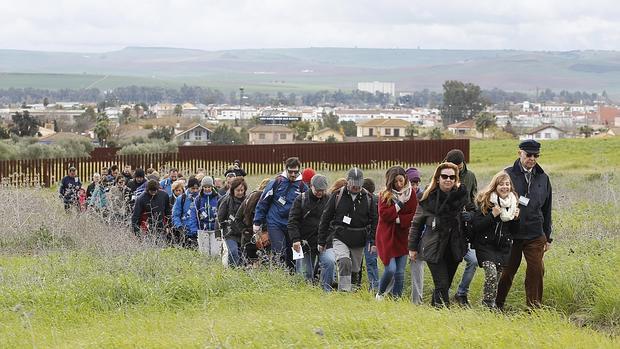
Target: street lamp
x,y
240,105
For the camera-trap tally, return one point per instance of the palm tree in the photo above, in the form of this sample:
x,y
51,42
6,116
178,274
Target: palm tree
x,y
102,129
484,121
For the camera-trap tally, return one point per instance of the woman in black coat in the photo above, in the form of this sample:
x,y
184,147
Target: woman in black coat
x,y
494,223
442,244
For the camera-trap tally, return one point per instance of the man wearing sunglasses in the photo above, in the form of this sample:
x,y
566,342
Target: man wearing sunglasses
x,y
534,236
274,206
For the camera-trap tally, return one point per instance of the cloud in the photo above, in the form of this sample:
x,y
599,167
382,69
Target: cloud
x,y
74,25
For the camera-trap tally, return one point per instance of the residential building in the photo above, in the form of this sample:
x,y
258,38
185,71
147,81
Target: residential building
x,y
382,128
545,132
324,134
464,128
377,86
163,109
271,134
194,134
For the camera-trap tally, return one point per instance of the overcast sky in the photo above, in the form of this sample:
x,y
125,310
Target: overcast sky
x,y
84,25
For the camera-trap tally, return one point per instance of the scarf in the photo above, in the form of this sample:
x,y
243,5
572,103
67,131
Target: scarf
x,y
403,195
508,205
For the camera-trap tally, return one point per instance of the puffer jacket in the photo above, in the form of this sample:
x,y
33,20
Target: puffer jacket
x,y
181,210
204,214
440,213
492,238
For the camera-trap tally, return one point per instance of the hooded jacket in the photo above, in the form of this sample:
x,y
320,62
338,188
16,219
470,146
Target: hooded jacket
x,y
152,209
203,216
181,210
277,199
535,218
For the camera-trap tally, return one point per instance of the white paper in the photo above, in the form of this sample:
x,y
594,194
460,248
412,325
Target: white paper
x,y
298,255
524,201
346,220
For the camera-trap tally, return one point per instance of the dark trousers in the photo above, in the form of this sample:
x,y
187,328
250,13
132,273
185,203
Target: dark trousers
x,y
443,272
533,250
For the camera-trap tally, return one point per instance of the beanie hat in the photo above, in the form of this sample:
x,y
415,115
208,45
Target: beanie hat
x,y
193,183
307,175
413,174
455,156
207,181
355,177
319,182
139,173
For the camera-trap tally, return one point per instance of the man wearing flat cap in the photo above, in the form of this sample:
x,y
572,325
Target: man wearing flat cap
x,y
534,235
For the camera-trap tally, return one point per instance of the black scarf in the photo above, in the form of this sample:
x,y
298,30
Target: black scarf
x,y
443,204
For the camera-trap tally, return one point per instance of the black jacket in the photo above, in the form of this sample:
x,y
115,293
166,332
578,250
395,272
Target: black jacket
x,y
447,234
536,216
155,209
363,219
303,222
492,238
226,214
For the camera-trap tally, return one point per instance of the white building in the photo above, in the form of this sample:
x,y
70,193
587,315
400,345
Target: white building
x,y
545,132
194,134
377,86
234,113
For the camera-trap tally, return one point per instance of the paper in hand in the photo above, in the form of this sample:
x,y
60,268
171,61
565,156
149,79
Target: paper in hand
x,y
298,255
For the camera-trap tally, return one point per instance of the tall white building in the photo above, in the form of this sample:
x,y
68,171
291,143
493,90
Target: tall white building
x,y
372,87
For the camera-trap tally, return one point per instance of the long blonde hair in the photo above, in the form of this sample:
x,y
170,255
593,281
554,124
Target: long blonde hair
x,y
483,199
435,179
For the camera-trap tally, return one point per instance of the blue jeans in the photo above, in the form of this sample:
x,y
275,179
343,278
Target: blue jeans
x,y
395,269
468,275
371,269
233,253
306,264
327,262
280,245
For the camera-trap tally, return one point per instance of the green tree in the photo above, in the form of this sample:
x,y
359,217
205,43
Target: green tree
x,y
461,101
411,131
435,133
5,133
137,108
331,120
331,139
166,133
484,121
349,128
125,116
46,101
56,127
301,129
178,110
225,135
586,131
102,129
509,129
24,125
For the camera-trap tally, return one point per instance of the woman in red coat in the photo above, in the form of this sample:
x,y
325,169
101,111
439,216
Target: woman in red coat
x,y
397,205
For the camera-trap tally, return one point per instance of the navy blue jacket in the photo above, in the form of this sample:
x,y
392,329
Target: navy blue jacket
x,y
270,209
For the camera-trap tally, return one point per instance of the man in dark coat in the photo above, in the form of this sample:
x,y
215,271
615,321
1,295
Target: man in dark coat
x,y
533,238
151,212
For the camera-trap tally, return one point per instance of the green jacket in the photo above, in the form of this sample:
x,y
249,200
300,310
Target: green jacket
x,y
468,179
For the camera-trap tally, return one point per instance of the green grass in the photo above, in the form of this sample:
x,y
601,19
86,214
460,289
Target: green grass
x,y
65,288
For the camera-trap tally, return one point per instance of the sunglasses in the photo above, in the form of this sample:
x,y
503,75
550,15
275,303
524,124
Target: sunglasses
x,y
446,177
292,171
529,155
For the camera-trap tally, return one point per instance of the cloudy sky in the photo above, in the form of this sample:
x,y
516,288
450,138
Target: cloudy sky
x,y
84,25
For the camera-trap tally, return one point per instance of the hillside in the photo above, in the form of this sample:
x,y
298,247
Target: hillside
x,y
308,69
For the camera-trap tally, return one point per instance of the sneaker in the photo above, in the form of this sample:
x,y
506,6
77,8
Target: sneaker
x,y
379,297
461,300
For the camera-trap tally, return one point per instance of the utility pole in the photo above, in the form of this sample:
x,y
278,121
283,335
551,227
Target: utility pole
x,y
240,105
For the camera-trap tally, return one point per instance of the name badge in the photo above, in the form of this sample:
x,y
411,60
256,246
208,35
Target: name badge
x,y
204,215
434,223
346,220
523,200
282,200
232,218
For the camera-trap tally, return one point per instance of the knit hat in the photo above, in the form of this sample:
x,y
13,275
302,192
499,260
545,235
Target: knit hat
x,y
307,174
193,183
319,182
355,177
139,173
455,156
413,174
207,181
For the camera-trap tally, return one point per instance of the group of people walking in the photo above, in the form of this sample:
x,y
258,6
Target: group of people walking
x,y
327,232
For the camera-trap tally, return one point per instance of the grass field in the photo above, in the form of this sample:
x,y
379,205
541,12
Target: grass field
x,y
71,282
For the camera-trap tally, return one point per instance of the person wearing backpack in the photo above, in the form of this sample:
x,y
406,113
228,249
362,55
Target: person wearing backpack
x,y
274,206
226,213
303,225
349,222
242,225
203,218
181,211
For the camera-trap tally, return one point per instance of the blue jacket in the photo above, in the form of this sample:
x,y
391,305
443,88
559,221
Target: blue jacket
x,y
181,214
204,214
166,185
98,198
270,208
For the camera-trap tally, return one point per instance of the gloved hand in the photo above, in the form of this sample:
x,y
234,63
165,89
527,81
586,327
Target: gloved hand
x,y
256,228
467,216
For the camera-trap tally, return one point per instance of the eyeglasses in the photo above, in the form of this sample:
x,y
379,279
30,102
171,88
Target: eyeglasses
x,y
529,155
446,177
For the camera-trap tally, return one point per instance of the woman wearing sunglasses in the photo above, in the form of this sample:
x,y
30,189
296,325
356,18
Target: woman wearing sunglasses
x,y
442,243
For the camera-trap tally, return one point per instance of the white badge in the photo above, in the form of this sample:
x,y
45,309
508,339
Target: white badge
x,y
204,215
433,224
232,218
346,220
297,255
523,200
282,200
